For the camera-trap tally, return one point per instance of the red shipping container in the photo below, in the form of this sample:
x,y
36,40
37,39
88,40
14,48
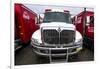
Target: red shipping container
x,y
25,23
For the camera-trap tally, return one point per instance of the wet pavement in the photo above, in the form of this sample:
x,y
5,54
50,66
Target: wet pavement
x,y
25,56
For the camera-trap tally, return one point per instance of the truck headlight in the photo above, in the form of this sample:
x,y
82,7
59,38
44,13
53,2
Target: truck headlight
x,y
35,41
79,41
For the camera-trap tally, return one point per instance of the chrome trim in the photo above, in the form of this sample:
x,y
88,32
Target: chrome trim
x,y
49,49
55,45
42,29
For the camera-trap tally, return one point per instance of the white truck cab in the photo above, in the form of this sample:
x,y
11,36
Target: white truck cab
x,y
57,35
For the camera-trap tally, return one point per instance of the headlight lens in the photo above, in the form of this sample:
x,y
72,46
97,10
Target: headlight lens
x,y
79,41
35,41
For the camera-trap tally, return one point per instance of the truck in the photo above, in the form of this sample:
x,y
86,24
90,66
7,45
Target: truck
x,y
24,25
57,35
84,23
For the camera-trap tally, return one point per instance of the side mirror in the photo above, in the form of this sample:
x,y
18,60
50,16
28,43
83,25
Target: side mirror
x,y
39,20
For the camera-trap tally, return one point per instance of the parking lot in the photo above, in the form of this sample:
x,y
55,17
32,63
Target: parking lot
x,y
53,26
26,56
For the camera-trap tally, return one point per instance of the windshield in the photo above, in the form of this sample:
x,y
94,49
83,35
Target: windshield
x,y
57,17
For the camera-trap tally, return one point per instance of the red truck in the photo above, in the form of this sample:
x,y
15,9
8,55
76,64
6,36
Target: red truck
x,y
84,23
25,24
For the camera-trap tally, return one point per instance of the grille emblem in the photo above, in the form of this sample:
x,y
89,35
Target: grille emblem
x,y
59,29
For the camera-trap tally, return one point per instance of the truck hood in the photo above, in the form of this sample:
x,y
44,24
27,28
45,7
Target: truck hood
x,y
54,25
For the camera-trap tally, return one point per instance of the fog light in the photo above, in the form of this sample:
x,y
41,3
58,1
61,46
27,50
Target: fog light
x,y
78,49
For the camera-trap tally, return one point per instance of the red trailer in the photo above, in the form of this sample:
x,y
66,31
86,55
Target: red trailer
x,y
84,22
25,24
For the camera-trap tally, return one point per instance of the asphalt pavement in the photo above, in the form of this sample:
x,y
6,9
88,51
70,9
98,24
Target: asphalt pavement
x,y
25,56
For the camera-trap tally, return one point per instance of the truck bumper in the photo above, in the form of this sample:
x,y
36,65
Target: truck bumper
x,y
56,52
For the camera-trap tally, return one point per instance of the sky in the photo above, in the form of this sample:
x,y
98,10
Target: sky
x,y
39,9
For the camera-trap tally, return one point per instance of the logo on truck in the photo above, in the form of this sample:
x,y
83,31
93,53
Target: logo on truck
x,y
26,15
59,29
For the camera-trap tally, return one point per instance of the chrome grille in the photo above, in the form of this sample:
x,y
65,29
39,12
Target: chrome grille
x,y
52,36
66,36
